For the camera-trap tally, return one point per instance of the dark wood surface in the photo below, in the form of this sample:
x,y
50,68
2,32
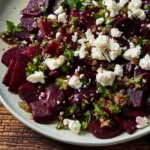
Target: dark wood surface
x,y
15,136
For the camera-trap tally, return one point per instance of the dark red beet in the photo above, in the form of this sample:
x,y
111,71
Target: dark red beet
x,y
103,133
145,32
136,97
74,13
19,74
33,51
29,92
128,124
89,94
134,113
123,25
41,113
54,98
54,74
47,29
51,48
147,105
9,54
139,71
33,8
8,75
128,70
29,23
87,73
146,50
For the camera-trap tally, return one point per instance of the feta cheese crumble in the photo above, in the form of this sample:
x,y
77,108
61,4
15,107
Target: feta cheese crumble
x,y
59,10
52,17
75,37
145,62
118,70
74,125
142,122
122,3
74,82
82,52
132,53
95,3
54,63
115,32
148,26
37,77
62,17
99,21
58,35
105,78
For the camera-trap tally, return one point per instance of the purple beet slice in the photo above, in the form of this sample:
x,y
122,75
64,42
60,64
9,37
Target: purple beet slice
x,y
136,97
33,8
123,25
9,54
128,124
29,92
8,75
55,98
29,23
33,51
41,113
103,133
19,74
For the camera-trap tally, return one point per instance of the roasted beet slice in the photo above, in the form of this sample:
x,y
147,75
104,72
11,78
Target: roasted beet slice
x,y
136,97
9,54
128,124
34,8
51,48
139,71
9,72
128,70
47,28
146,50
19,74
29,23
29,92
41,113
123,25
87,73
103,133
55,98
89,94
134,113
33,51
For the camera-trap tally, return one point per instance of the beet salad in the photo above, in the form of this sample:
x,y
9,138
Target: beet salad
x,y
85,63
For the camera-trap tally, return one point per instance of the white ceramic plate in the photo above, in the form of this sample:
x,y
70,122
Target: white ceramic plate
x,y
10,10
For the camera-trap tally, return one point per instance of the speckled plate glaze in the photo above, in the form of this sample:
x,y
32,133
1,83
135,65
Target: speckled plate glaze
x,y
10,10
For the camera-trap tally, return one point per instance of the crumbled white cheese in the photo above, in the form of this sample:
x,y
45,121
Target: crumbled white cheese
x,y
74,125
142,122
118,70
62,17
52,17
105,78
95,3
59,10
122,3
97,54
132,53
148,26
75,37
74,82
90,36
135,4
82,41
115,32
112,6
115,49
99,21
58,35
139,13
145,62
106,14
131,45
54,63
82,52
37,77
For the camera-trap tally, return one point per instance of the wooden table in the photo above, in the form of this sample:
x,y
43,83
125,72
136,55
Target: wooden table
x,y
15,136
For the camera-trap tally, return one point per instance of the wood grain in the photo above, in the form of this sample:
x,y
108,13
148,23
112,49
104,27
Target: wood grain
x,y
15,136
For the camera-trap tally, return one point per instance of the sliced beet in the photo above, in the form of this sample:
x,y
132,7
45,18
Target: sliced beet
x,y
54,74
8,75
123,25
128,70
147,105
33,8
51,48
128,124
29,23
19,74
87,73
29,92
33,51
145,50
41,113
47,28
139,71
9,54
103,133
89,94
55,98
136,97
